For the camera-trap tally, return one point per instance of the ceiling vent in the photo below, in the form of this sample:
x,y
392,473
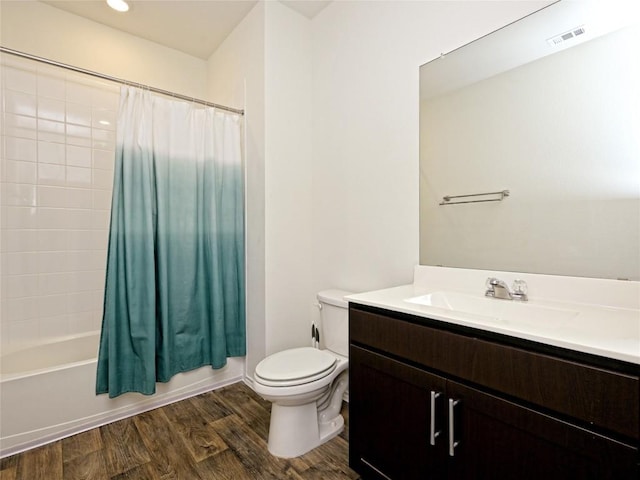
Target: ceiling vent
x,y
563,37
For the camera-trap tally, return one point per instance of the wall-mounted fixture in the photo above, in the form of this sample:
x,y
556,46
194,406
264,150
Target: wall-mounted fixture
x,y
500,196
118,5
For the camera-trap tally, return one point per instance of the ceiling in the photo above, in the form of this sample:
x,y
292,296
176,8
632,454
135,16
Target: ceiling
x,y
195,27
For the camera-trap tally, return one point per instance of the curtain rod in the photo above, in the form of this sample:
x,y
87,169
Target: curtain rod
x,y
119,80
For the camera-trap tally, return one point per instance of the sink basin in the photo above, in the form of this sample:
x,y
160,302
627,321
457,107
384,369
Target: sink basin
x,y
502,311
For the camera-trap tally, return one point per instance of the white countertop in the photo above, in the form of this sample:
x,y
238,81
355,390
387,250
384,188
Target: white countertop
x,y
602,330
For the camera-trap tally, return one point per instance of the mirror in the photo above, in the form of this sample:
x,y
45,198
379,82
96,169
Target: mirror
x,y
548,110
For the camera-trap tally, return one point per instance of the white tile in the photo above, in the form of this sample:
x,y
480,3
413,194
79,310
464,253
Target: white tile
x,y
55,326
52,305
20,126
52,196
106,96
81,302
20,240
79,135
53,218
24,308
21,149
20,80
53,240
100,240
24,333
21,217
83,281
4,271
20,172
20,103
50,86
84,322
101,219
51,174
103,179
51,109
5,341
79,177
79,219
17,286
21,263
78,156
103,119
102,200
79,93
77,261
103,159
49,152
18,194
80,239
9,60
51,126
54,283
78,197
104,139
97,260
86,260
52,262
51,131
79,114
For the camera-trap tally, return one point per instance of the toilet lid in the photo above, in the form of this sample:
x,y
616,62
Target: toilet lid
x,y
295,366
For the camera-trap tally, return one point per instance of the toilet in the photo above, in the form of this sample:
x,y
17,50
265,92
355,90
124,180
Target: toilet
x,y
306,384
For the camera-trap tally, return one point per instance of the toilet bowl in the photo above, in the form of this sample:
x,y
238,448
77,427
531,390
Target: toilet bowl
x,y
306,385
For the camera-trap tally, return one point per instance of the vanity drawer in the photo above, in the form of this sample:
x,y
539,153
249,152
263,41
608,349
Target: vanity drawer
x,y
594,396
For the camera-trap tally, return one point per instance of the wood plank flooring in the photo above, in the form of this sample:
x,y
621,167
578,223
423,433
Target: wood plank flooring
x,y
217,435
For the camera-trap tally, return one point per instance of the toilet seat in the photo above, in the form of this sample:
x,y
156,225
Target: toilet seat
x,y
296,366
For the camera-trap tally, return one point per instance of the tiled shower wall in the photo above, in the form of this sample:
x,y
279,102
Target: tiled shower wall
x,y
57,156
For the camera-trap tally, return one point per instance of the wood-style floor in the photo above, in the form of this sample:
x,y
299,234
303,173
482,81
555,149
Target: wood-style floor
x,y
217,435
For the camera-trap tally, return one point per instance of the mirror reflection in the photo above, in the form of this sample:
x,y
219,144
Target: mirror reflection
x,y
548,110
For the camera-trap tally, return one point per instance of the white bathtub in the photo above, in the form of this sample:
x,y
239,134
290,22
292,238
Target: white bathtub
x,y
47,392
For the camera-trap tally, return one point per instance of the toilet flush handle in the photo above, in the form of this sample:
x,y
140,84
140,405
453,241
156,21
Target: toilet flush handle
x,y
315,336
315,331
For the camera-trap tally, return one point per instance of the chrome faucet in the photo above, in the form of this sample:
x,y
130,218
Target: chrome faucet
x,y
497,288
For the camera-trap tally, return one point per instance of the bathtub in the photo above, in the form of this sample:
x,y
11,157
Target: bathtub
x,y
47,392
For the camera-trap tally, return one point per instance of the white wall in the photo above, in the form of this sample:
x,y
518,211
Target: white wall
x,y
365,129
236,77
45,31
269,55
288,188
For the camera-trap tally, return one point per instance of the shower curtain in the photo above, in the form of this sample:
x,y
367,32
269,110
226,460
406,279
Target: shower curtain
x,y
174,292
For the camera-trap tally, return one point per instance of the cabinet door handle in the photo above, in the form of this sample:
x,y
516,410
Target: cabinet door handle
x,y
452,440
374,469
432,421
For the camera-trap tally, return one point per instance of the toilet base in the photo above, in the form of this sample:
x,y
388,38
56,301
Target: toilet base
x,y
294,430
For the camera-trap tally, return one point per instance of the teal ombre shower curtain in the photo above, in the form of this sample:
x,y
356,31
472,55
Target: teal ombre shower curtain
x,y
174,293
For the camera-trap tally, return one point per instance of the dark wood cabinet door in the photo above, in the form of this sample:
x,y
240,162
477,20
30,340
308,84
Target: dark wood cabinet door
x,y
390,419
500,440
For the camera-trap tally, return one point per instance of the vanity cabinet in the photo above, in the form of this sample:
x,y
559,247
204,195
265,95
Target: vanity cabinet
x,y
431,400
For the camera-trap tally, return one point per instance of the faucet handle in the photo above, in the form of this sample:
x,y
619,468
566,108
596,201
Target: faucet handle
x,y
490,284
520,289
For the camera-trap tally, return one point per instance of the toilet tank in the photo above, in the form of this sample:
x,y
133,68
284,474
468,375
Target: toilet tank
x,y
334,320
